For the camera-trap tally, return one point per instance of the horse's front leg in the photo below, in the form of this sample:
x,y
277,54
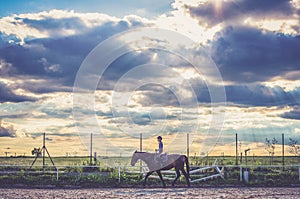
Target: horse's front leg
x,y
161,178
147,175
186,177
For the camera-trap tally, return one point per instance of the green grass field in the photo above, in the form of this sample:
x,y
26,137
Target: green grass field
x,y
125,161
63,161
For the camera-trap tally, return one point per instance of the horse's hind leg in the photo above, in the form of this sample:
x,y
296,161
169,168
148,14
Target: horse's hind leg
x,y
186,177
161,178
147,175
177,176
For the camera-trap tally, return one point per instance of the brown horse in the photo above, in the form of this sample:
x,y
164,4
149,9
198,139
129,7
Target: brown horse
x,y
171,161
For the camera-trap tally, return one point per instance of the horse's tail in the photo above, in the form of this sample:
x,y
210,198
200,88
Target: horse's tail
x,y
187,166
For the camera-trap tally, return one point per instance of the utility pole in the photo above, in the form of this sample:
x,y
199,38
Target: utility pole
x,y
141,149
283,151
141,142
44,145
236,149
91,149
188,145
44,150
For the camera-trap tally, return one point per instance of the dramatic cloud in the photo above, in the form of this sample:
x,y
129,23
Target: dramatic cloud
x,y
259,95
214,12
158,95
7,130
293,114
54,24
7,95
56,55
248,55
254,44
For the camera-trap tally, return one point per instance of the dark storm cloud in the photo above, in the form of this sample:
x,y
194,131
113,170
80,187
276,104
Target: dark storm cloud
x,y
47,87
239,94
248,55
7,95
293,114
38,56
7,131
251,95
14,116
212,13
158,95
57,58
120,67
142,67
259,95
4,40
242,54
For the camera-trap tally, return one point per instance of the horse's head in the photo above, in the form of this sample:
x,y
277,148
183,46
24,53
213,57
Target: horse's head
x,y
134,158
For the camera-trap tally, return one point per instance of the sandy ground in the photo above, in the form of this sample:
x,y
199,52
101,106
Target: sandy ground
x,y
168,193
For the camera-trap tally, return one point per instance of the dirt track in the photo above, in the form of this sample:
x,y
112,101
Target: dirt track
x,y
128,193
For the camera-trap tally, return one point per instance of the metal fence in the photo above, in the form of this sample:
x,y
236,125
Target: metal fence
x,y
228,173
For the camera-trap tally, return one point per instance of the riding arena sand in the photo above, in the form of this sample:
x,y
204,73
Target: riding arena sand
x,y
157,193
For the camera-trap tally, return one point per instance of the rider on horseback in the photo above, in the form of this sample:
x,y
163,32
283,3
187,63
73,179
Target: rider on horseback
x,y
160,145
160,150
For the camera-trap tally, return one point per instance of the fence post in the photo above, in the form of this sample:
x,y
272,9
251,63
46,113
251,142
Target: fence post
x,y
119,173
246,176
299,173
56,174
241,174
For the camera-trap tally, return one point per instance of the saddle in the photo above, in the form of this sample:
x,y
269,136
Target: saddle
x,y
162,158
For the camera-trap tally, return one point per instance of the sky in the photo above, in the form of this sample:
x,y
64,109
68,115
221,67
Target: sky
x,y
206,69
